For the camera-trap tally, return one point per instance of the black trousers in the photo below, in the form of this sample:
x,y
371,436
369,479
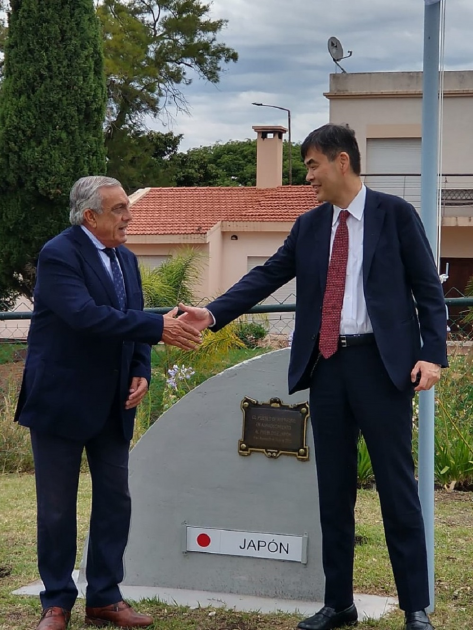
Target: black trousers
x,y
57,468
351,391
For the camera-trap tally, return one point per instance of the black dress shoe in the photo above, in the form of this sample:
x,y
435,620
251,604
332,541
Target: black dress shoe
x,y
418,621
328,618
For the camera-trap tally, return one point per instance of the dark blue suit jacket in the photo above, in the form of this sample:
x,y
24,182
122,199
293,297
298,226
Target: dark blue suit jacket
x,y
397,267
82,350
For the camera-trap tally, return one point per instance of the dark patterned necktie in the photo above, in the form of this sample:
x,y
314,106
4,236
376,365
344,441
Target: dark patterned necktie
x,y
117,277
335,290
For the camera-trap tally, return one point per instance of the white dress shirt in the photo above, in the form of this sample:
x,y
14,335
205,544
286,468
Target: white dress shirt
x,y
103,256
355,319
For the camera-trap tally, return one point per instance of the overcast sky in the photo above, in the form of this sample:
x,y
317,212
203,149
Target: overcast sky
x,y
284,59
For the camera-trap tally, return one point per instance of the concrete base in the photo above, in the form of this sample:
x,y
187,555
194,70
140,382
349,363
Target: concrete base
x,y
369,606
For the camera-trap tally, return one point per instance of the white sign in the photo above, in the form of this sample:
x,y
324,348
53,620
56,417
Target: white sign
x,y
253,544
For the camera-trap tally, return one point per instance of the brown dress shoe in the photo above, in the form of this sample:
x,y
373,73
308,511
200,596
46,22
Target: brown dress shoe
x,y
54,618
120,614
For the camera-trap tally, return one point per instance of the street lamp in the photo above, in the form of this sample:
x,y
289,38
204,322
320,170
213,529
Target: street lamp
x,y
289,132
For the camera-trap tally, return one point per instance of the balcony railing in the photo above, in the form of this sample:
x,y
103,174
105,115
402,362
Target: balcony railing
x,y
456,190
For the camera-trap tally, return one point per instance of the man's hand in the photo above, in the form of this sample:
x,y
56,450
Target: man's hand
x,y
429,375
138,389
198,317
179,333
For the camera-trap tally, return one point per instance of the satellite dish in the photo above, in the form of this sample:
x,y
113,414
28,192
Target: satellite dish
x,y
335,49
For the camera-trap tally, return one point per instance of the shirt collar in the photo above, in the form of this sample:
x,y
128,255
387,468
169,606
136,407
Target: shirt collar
x,y
356,208
93,238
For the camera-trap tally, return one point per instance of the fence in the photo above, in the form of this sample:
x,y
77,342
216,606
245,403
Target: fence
x,y
279,319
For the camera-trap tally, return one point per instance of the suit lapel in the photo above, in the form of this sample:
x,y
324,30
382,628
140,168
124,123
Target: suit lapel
x,y
92,258
373,223
323,229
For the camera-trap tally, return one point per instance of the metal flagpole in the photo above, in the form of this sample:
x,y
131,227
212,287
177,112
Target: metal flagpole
x,y
429,191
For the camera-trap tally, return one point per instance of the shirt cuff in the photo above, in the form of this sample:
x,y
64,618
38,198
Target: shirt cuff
x,y
213,318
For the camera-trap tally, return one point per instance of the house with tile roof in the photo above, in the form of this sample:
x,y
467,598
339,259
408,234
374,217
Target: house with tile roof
x,y
235,228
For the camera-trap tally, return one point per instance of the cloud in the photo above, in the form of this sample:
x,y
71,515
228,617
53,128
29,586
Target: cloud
x,y
284,59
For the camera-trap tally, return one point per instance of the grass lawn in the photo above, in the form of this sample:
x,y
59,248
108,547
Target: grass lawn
x,y
10,352
454,561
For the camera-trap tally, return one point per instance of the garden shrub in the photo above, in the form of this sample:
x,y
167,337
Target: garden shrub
x,y
251,333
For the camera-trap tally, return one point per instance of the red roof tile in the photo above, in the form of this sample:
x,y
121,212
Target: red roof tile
x,y
197,210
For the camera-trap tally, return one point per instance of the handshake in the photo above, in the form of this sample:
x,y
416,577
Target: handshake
x,y
183,325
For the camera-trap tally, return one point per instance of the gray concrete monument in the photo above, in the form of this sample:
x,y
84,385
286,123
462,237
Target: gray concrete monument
x,y
208,518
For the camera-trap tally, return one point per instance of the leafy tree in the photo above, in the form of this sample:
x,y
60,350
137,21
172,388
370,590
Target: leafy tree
x,y
152,50
3,32
236,160
151,159
230,164
142,158
299,170
7,299
196,168
52,109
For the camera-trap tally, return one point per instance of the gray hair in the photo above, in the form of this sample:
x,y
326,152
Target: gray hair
x,y
85,194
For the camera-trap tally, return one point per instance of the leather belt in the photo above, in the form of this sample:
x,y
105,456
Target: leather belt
x,y
347,341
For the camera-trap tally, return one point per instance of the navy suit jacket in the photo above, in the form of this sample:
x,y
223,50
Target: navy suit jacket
x,y
82,350
398,266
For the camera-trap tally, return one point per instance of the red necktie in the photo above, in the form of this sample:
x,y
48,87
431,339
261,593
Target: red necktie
x,y
335,289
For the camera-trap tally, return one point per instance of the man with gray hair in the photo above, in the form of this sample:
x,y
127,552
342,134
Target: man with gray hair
x,y
87,368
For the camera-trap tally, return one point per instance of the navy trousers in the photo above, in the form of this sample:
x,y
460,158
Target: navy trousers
x,y
57,468
351,392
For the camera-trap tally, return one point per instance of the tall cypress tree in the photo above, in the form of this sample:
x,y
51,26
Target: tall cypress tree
x,y
52,109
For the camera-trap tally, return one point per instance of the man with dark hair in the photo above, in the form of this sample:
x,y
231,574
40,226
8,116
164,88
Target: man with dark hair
x,y
331,140
87,368
360,259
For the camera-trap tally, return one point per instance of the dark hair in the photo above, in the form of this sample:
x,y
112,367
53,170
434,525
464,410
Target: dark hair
x,y
331,140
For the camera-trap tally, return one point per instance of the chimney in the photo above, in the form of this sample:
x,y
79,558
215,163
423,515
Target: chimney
x,y
269,155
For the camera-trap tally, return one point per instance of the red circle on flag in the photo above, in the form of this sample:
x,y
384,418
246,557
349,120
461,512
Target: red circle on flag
x,y
203,540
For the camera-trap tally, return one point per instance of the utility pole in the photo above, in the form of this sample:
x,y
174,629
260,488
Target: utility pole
x,y
429,192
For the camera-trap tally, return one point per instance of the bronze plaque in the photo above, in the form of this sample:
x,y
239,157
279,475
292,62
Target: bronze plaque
x,y
274,428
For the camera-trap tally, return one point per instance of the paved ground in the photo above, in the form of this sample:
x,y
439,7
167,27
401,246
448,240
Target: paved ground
x,y
369,606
